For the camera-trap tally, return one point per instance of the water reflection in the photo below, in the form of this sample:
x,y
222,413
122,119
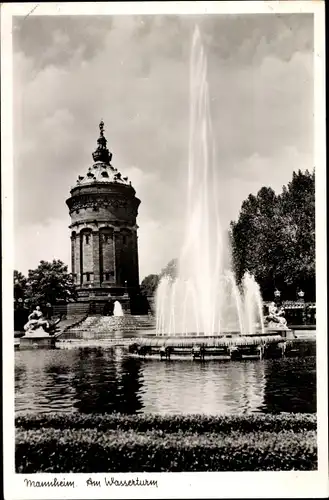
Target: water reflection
x,y
210,387
290,385
107,380
19,378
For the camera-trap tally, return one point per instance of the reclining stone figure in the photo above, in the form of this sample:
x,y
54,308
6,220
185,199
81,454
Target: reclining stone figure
x,y
37,321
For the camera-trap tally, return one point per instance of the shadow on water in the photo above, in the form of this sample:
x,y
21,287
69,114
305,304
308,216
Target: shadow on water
x,y
106,381
96,380
290,385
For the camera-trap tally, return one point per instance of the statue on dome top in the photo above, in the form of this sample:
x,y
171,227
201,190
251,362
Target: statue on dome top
x,y
102,153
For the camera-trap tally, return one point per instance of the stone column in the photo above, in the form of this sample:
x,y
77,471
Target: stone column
x,y
117,256
134,251
81,257
73,255
107,256
77,259
96,258
128,257
114,257
86,256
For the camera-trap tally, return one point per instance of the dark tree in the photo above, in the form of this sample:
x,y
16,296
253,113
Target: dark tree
x,y
298,210
19,285
274,238
50,283
150,282
149,285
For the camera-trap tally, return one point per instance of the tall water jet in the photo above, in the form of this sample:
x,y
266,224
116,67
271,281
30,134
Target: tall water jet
x,y
204,299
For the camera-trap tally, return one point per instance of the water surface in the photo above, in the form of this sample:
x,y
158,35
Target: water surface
x,y
97,380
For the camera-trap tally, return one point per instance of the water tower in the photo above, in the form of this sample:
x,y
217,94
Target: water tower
x,y
104,250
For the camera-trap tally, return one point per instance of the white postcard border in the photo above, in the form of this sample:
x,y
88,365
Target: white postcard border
x,y
170,485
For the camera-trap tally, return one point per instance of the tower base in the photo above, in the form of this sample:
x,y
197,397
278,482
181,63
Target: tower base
x,y
101,301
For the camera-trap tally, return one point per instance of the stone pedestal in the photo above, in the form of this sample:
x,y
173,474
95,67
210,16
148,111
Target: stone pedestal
x,y
37,342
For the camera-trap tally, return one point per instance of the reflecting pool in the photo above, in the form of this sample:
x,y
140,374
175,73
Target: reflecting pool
x,y
98,380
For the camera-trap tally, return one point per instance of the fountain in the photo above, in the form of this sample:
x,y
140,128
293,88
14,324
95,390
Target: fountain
x,y
117,310
205,300
204,311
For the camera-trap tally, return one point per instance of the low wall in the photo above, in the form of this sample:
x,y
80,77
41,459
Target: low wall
x,y
39,342
77,308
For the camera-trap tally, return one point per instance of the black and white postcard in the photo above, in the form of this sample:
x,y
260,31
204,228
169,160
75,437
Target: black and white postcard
x,y
164,250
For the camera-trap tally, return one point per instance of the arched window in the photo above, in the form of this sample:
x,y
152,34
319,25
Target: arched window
x,y
87,239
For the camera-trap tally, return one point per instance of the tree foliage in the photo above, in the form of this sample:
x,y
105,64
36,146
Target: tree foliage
x,y
149,285
274,238
49,282
171,269
19,285
150,282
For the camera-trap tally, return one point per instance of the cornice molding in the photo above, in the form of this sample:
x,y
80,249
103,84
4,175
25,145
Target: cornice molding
x,y
97,226
95,202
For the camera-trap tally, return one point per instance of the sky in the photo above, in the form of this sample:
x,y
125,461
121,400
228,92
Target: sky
x,y
133,72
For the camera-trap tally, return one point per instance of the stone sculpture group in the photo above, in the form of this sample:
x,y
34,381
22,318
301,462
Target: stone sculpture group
x,y
276,316
38,324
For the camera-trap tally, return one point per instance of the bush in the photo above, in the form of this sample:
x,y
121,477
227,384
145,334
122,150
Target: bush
x,y
93,443
171,423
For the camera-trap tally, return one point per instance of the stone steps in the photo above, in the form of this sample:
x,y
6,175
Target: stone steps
x,y
105,326
68,322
